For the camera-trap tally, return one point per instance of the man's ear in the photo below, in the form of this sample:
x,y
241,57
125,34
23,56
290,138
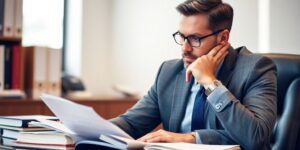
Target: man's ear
x,y
223,36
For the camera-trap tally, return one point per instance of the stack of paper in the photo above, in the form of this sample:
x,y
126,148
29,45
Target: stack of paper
x,y
82,121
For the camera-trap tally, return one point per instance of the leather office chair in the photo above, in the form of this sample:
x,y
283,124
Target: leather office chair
x,y
286,133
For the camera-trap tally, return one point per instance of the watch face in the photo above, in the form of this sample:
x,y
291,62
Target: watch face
x,y
217,82
207,92
212,86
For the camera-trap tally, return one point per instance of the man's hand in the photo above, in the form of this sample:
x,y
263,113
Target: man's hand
x,y
165,136
204,68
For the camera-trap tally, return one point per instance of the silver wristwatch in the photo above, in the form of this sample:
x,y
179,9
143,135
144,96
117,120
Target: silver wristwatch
x,y
211,86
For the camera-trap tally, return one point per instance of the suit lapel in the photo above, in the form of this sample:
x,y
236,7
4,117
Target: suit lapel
x,y
180,99
225,72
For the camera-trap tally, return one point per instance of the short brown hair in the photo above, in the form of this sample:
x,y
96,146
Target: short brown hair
x,y
220,15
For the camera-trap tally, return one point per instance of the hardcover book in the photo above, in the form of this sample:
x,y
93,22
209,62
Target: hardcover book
x,y
23,120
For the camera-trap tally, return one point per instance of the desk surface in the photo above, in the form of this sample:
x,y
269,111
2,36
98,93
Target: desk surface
x,y
106,107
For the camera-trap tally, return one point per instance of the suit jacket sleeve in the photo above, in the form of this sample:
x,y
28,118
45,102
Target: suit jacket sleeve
x,y
144,116
250,120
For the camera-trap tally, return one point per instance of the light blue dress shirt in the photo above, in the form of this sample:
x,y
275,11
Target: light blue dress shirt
x,y
186,123
187,120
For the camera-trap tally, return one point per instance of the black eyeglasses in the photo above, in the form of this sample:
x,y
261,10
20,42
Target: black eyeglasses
x,y
193,40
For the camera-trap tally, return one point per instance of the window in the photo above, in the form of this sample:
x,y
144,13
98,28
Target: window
x,y
43,23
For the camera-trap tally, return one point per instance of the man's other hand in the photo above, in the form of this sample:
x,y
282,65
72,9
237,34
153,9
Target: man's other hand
x,y
165,136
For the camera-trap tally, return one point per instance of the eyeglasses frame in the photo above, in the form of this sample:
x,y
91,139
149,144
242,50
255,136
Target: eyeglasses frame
x,y
199,37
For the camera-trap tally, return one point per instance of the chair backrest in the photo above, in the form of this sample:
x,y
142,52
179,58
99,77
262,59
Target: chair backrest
x,y
286,133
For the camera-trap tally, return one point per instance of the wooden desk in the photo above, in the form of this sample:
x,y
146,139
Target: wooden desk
x,y
106,107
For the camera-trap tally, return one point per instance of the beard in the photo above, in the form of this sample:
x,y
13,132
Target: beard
x,y
188,58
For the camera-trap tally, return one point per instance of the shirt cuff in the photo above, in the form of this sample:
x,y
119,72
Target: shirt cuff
x,y
220,98
198,139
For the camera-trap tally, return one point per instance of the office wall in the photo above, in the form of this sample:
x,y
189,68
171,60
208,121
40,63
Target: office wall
x,y
142,40
245,24
96,31
125,41
284,26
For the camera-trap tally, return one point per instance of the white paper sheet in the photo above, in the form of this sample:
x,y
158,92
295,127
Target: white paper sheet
x,y
134,144
189,146
58,126
82,120
54,125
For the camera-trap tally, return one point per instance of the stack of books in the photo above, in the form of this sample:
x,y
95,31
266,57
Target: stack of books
x,y
17,131
47,140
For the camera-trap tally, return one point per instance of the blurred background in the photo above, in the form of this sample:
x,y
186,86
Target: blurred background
x,y
123,42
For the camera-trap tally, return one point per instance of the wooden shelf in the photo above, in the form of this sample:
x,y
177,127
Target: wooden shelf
x,y
106,107
10,39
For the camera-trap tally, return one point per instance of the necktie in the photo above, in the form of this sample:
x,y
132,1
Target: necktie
x,y
198,110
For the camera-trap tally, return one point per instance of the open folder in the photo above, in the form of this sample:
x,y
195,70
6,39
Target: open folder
x,y
84,123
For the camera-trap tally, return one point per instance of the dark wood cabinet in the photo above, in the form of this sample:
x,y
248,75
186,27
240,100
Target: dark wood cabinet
x,y
106,107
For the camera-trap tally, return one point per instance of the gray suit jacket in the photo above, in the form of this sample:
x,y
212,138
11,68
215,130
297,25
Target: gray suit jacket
x,y
242,112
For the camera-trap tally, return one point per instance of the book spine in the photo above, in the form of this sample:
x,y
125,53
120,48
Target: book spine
x,y
1,17
16,67
54,72
18,18
8,18
40,72
7,67
1,67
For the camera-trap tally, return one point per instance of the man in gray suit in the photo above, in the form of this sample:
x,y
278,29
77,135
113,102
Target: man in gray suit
x,y
214,94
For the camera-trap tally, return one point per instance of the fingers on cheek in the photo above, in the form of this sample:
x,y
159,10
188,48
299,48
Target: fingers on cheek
x,y
198,62
205,58
225,49
212,52
218,48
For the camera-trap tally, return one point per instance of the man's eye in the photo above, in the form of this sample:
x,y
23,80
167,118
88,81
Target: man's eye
x,y
194,38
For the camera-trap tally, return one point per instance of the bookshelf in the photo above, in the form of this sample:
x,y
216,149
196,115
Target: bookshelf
x,y
16,40
24,71
107,107
11,50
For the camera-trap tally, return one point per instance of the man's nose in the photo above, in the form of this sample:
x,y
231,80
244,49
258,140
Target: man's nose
x,y
186,46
